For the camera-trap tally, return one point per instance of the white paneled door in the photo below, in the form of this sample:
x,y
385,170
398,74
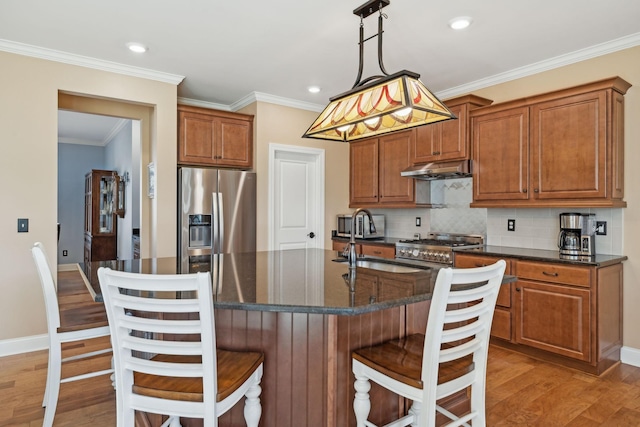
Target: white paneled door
x,y
296,177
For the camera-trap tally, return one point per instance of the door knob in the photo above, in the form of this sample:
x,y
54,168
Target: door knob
x,y
312,234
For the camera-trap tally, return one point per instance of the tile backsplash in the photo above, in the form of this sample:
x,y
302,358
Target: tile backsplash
x,y
535,228
539,228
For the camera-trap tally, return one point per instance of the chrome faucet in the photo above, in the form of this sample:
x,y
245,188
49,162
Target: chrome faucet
x,y
353,256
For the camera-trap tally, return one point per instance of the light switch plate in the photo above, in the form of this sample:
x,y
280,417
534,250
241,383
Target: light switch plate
x,y
23,225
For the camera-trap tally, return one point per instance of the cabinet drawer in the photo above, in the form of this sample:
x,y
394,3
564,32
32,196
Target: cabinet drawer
x,y
342,246
379,251
501,326
504,296
554,273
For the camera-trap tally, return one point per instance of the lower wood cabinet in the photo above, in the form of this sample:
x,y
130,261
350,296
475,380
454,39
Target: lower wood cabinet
x,y
554,317
565,313
501,326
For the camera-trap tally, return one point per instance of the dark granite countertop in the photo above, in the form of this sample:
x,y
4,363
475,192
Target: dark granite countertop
x,y
599,260
299,281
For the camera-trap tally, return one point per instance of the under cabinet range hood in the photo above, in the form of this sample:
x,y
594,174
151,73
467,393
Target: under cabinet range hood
x,y
439,170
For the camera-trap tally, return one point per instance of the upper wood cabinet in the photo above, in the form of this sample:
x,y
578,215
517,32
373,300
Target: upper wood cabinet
x,y
501,155
214,138
448,140
375,165
564,148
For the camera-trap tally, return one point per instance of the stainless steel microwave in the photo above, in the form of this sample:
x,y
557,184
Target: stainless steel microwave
x,y
363,226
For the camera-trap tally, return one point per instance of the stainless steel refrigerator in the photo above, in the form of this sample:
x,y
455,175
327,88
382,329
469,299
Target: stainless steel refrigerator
x,y
216,215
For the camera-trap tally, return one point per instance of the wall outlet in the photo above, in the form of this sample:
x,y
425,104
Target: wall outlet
x,y
65,252
601,228
511,225
418,221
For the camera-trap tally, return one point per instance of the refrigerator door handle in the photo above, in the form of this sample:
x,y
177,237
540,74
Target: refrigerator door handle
x,y
220,223
215,224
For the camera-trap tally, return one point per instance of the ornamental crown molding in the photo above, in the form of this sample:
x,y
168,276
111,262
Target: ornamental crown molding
x,y
85,61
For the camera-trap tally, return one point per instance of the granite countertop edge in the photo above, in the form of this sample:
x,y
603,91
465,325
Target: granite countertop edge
x,y
342,311
599,260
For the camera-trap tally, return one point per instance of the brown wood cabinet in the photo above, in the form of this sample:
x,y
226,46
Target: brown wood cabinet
x,y
100,219
501,326
501,156
564,148
375,165
364,249
214,138
565,313
448,140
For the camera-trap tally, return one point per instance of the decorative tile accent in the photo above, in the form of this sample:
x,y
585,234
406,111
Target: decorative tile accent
x,y
457,216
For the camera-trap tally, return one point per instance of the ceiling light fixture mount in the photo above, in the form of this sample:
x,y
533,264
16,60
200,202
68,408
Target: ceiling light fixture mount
x,y
378,104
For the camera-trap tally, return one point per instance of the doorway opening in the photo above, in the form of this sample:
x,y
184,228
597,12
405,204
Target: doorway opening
x,y
89,142
134,132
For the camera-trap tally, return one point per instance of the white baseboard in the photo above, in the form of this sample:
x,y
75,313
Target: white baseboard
x,y
24,345
630,356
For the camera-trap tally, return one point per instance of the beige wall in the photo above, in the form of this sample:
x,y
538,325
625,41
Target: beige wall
x,y
625,64
285,125
28,170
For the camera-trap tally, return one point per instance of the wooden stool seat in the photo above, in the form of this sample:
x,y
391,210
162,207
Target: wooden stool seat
x,y
401,360
234,368
66,327
450,358
165,354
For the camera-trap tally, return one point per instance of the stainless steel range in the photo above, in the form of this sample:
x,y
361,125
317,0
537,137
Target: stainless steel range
x,y
437,247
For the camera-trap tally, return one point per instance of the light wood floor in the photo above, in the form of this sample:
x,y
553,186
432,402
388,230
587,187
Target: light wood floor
x,y
520,391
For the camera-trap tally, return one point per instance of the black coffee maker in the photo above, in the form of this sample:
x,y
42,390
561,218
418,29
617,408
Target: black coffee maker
x,y
577,234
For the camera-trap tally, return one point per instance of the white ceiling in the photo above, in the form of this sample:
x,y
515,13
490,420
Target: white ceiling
x,y
228,51
87,129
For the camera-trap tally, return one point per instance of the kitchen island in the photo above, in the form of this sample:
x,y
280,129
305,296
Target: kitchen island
x,y
300,308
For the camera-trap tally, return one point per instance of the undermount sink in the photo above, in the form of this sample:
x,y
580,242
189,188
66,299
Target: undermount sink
x,y
383,266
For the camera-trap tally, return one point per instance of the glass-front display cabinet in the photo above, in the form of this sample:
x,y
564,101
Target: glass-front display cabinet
x,y
103,202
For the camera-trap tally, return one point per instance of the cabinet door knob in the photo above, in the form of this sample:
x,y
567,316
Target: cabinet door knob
x,y
517,289
535,190
312,235
524,190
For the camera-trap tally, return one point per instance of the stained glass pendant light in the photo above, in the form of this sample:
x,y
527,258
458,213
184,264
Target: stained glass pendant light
x,y
378,104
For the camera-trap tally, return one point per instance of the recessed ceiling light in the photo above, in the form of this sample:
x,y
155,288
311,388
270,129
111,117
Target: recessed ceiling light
x,y
137,47
314,89
460,23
